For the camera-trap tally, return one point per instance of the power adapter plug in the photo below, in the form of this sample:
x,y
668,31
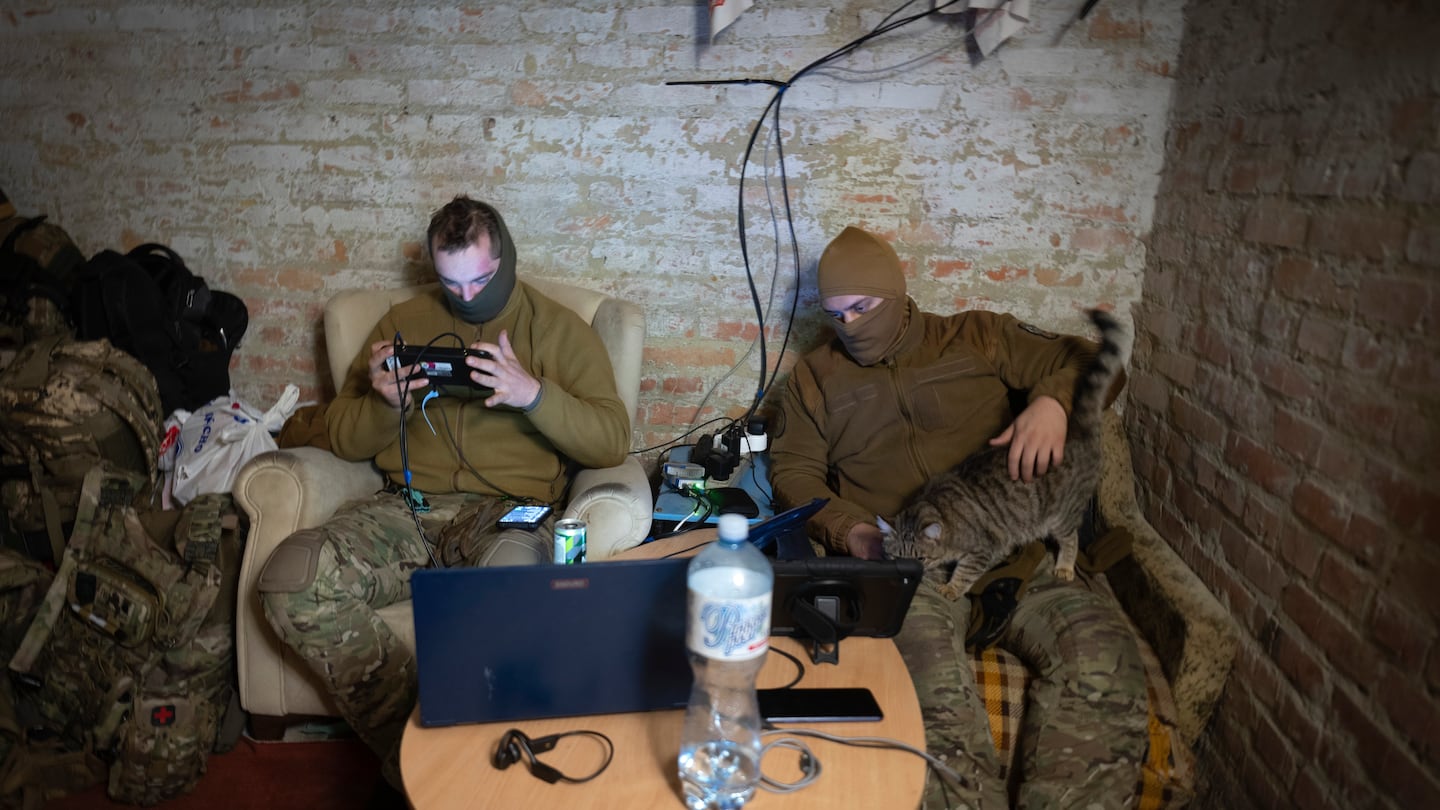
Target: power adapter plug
x,y
684,477
754,440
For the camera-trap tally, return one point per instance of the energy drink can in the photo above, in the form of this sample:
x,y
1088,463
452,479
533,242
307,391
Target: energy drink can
x,y
569,541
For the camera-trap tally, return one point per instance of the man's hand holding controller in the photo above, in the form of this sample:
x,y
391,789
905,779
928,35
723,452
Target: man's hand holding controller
x,y
492,367
500,370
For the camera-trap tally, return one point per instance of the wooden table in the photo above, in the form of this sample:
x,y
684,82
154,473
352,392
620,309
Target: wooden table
x,y
450,768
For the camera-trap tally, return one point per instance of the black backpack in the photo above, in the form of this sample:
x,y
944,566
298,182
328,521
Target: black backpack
x,y
148,303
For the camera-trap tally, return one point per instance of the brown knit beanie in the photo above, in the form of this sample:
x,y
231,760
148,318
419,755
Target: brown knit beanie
x,y
858,262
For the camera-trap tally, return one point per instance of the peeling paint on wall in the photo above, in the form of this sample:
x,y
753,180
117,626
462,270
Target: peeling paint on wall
x,y
290,153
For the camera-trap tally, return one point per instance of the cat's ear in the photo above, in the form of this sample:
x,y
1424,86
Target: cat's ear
x,y
932,531
885,528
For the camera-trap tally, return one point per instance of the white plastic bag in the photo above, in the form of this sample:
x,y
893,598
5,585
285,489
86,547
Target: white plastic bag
x,y
218,438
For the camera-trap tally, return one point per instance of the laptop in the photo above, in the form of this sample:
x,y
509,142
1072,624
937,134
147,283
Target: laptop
x,y
783,536
526,642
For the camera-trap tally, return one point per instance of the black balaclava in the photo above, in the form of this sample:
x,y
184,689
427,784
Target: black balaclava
x,y
490,301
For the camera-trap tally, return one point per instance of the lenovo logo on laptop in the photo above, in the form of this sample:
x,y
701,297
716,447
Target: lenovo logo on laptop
x,y
569,583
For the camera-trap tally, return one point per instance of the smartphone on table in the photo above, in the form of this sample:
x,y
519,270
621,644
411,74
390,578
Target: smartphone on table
x,y
825,705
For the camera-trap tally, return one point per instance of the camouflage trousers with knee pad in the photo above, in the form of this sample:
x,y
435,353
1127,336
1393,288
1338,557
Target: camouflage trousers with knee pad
x,y
1083,736
322,587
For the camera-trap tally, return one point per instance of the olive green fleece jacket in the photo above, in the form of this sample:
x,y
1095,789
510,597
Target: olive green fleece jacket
x,y
579,417
869,437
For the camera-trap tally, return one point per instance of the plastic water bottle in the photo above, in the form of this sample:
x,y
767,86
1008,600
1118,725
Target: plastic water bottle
x,y
730,583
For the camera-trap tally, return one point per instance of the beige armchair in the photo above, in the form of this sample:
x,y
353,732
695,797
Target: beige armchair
x,y
288,490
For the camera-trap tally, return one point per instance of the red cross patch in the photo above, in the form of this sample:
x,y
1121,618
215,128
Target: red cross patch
x,y
162,715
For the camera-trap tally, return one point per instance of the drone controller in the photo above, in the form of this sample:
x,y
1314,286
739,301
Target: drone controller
x,y
443,366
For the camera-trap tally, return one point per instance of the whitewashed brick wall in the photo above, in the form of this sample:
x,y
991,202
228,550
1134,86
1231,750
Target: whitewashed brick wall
x,y
289,151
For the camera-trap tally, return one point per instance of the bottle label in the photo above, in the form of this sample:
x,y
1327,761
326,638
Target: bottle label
x,y
729,629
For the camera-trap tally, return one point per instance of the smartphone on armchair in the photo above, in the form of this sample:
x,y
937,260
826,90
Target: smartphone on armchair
x,y
524,517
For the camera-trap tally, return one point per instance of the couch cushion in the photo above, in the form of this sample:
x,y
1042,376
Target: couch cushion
x,y
1167,777
1000,678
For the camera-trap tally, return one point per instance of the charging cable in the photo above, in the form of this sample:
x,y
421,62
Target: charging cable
x,y
413,499
810,764
701,503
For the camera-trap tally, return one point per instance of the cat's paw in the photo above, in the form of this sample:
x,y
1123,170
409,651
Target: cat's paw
x,y
1065,573
951,592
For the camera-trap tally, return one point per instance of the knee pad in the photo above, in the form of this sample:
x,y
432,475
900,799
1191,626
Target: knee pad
x,y
516,547
291,567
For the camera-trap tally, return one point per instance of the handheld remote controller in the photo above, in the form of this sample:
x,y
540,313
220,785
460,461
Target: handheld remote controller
x,y
443,366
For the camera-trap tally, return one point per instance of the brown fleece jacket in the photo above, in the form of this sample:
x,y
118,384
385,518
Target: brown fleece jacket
x,y
580,417
868,437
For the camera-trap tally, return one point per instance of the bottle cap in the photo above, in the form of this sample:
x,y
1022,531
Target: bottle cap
x,y
734,527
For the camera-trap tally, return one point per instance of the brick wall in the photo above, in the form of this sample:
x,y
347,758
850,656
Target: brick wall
x,y
1284,396
288,151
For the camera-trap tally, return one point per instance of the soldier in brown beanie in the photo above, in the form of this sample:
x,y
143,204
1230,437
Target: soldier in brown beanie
x,y
899,396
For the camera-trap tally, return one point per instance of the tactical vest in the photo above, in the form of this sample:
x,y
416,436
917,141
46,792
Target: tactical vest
x,y
129,661
23,583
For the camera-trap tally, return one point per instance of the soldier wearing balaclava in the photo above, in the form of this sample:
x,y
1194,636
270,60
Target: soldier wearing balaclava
x,y
902,394
899,396
453,461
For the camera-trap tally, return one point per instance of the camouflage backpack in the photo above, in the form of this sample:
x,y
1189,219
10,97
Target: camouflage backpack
x,y
66,405
22,584
130,660
38,262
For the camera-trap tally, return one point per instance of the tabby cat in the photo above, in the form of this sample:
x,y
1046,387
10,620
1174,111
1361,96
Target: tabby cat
x,y
975,516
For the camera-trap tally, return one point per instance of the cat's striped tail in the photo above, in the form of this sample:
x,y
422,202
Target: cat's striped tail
x,y
1115,344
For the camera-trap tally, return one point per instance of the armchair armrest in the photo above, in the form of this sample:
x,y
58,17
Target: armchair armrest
x,y
616,505
287,490
281,492
1191,632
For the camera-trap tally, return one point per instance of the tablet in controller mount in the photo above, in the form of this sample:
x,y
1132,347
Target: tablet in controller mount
x,y
825,599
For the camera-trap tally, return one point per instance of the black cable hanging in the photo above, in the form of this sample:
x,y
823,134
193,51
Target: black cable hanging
x,y
772,109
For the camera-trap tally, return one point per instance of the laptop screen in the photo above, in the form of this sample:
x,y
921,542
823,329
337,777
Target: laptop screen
x,y
524,642
773,534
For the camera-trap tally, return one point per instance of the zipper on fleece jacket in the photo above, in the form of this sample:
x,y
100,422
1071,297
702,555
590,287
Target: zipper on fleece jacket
x,y
906,411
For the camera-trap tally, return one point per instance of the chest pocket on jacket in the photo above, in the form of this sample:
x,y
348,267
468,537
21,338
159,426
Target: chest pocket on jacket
x,y
851,416
842,406
940,391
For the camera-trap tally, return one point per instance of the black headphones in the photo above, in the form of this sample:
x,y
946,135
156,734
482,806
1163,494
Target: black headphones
x,y
516,746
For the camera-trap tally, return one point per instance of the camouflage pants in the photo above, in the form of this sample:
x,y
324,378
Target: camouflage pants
x,y
364,555
1083,736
